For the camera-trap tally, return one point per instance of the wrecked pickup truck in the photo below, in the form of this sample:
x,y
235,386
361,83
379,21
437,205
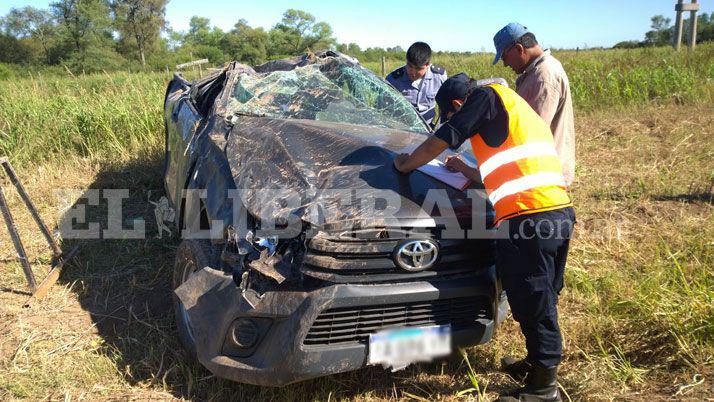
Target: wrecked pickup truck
x,y
304,252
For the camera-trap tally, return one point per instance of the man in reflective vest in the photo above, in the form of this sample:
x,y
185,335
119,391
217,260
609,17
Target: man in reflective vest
x,y
524,182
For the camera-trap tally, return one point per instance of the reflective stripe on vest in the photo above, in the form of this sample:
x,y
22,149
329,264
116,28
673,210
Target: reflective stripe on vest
x,y
516,153
523,175
526,183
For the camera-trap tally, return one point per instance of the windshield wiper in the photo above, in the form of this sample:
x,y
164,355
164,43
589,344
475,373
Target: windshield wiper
x,y
231,120
252,114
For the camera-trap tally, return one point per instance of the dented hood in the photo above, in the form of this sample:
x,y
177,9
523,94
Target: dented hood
x,y
313,159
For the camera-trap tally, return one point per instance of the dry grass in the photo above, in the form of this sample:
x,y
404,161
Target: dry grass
x,y
637,312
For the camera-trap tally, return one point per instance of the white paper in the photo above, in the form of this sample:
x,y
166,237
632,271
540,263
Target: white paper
x,y
437,170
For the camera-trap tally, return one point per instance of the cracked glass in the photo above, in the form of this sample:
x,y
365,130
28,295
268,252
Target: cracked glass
x,y
328,90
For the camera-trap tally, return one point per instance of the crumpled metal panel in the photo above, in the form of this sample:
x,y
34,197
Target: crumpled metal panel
x,y
213,301
307,157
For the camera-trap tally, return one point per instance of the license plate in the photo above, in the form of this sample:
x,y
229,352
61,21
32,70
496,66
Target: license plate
x,y
398,348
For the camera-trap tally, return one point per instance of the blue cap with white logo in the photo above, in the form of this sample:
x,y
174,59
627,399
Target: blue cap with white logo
x,y
506,36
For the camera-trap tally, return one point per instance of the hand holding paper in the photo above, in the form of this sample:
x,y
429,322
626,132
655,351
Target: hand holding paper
x,y
438,170
455,164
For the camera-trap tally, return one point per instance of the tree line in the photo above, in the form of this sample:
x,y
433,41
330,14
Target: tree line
x,y
662,32
96,35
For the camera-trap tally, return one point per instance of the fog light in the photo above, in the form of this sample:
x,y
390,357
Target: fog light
x,y
244,333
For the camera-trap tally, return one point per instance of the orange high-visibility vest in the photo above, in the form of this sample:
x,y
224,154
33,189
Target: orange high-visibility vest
x,y
523,175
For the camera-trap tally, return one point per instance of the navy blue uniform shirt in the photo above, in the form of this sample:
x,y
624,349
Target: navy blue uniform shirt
x,y
421,95
482,113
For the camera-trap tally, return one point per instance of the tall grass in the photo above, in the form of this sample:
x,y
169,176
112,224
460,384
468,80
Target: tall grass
x,y
609,78
95,116
58,114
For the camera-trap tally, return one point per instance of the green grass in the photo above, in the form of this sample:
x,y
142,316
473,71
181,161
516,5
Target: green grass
x,y
477,388
610,78
56,114
99,116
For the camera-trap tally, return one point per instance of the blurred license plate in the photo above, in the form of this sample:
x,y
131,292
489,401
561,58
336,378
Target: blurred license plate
x,y
400,347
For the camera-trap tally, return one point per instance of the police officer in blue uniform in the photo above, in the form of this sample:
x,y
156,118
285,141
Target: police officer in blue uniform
x,y
419,80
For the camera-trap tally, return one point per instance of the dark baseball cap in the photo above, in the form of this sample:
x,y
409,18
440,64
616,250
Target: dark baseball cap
x,y
456,87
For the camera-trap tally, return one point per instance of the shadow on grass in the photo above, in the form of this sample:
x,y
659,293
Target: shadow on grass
x,y
15,291
621,195
125,286
688,198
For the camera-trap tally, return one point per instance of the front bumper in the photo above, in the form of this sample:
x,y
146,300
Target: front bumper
x,y
290,349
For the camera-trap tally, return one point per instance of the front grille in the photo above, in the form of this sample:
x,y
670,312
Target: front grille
x,y
360,259
353,325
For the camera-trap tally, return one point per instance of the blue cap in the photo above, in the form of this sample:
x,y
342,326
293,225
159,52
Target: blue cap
x,y
506,36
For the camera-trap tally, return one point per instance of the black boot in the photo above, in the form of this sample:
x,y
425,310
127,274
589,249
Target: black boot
x,y
541,386
517,369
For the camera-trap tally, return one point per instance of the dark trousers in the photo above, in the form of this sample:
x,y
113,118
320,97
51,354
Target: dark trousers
x,y
531,263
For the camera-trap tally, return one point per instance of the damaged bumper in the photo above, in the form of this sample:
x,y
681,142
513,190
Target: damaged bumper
x,y
289,336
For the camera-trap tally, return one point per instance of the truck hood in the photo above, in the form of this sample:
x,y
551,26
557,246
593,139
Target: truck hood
x,y
319,162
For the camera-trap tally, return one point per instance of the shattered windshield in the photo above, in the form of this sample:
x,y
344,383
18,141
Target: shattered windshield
x,y
325,91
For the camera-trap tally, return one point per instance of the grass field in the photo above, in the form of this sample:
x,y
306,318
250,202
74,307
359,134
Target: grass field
x,y
637,312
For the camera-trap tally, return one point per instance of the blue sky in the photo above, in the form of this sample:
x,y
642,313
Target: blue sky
x,y
445,25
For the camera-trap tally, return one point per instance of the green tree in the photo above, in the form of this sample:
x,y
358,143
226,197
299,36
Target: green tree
x,y
661,33
82,21
201,33
705,27
351,49
298,31
198,29
31,24
246,44
174,39
203,41
85,28
320,37
13,51
628,44
140,22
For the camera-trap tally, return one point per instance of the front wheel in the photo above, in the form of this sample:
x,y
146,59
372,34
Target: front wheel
x,y
191,256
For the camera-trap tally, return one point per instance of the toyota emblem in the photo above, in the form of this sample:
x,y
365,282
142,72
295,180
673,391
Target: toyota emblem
x,y
416,255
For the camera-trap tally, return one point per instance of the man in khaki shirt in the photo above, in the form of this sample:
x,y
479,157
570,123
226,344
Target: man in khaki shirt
x,y
542,82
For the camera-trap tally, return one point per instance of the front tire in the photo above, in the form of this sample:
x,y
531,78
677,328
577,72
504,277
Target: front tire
x,y
191,256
